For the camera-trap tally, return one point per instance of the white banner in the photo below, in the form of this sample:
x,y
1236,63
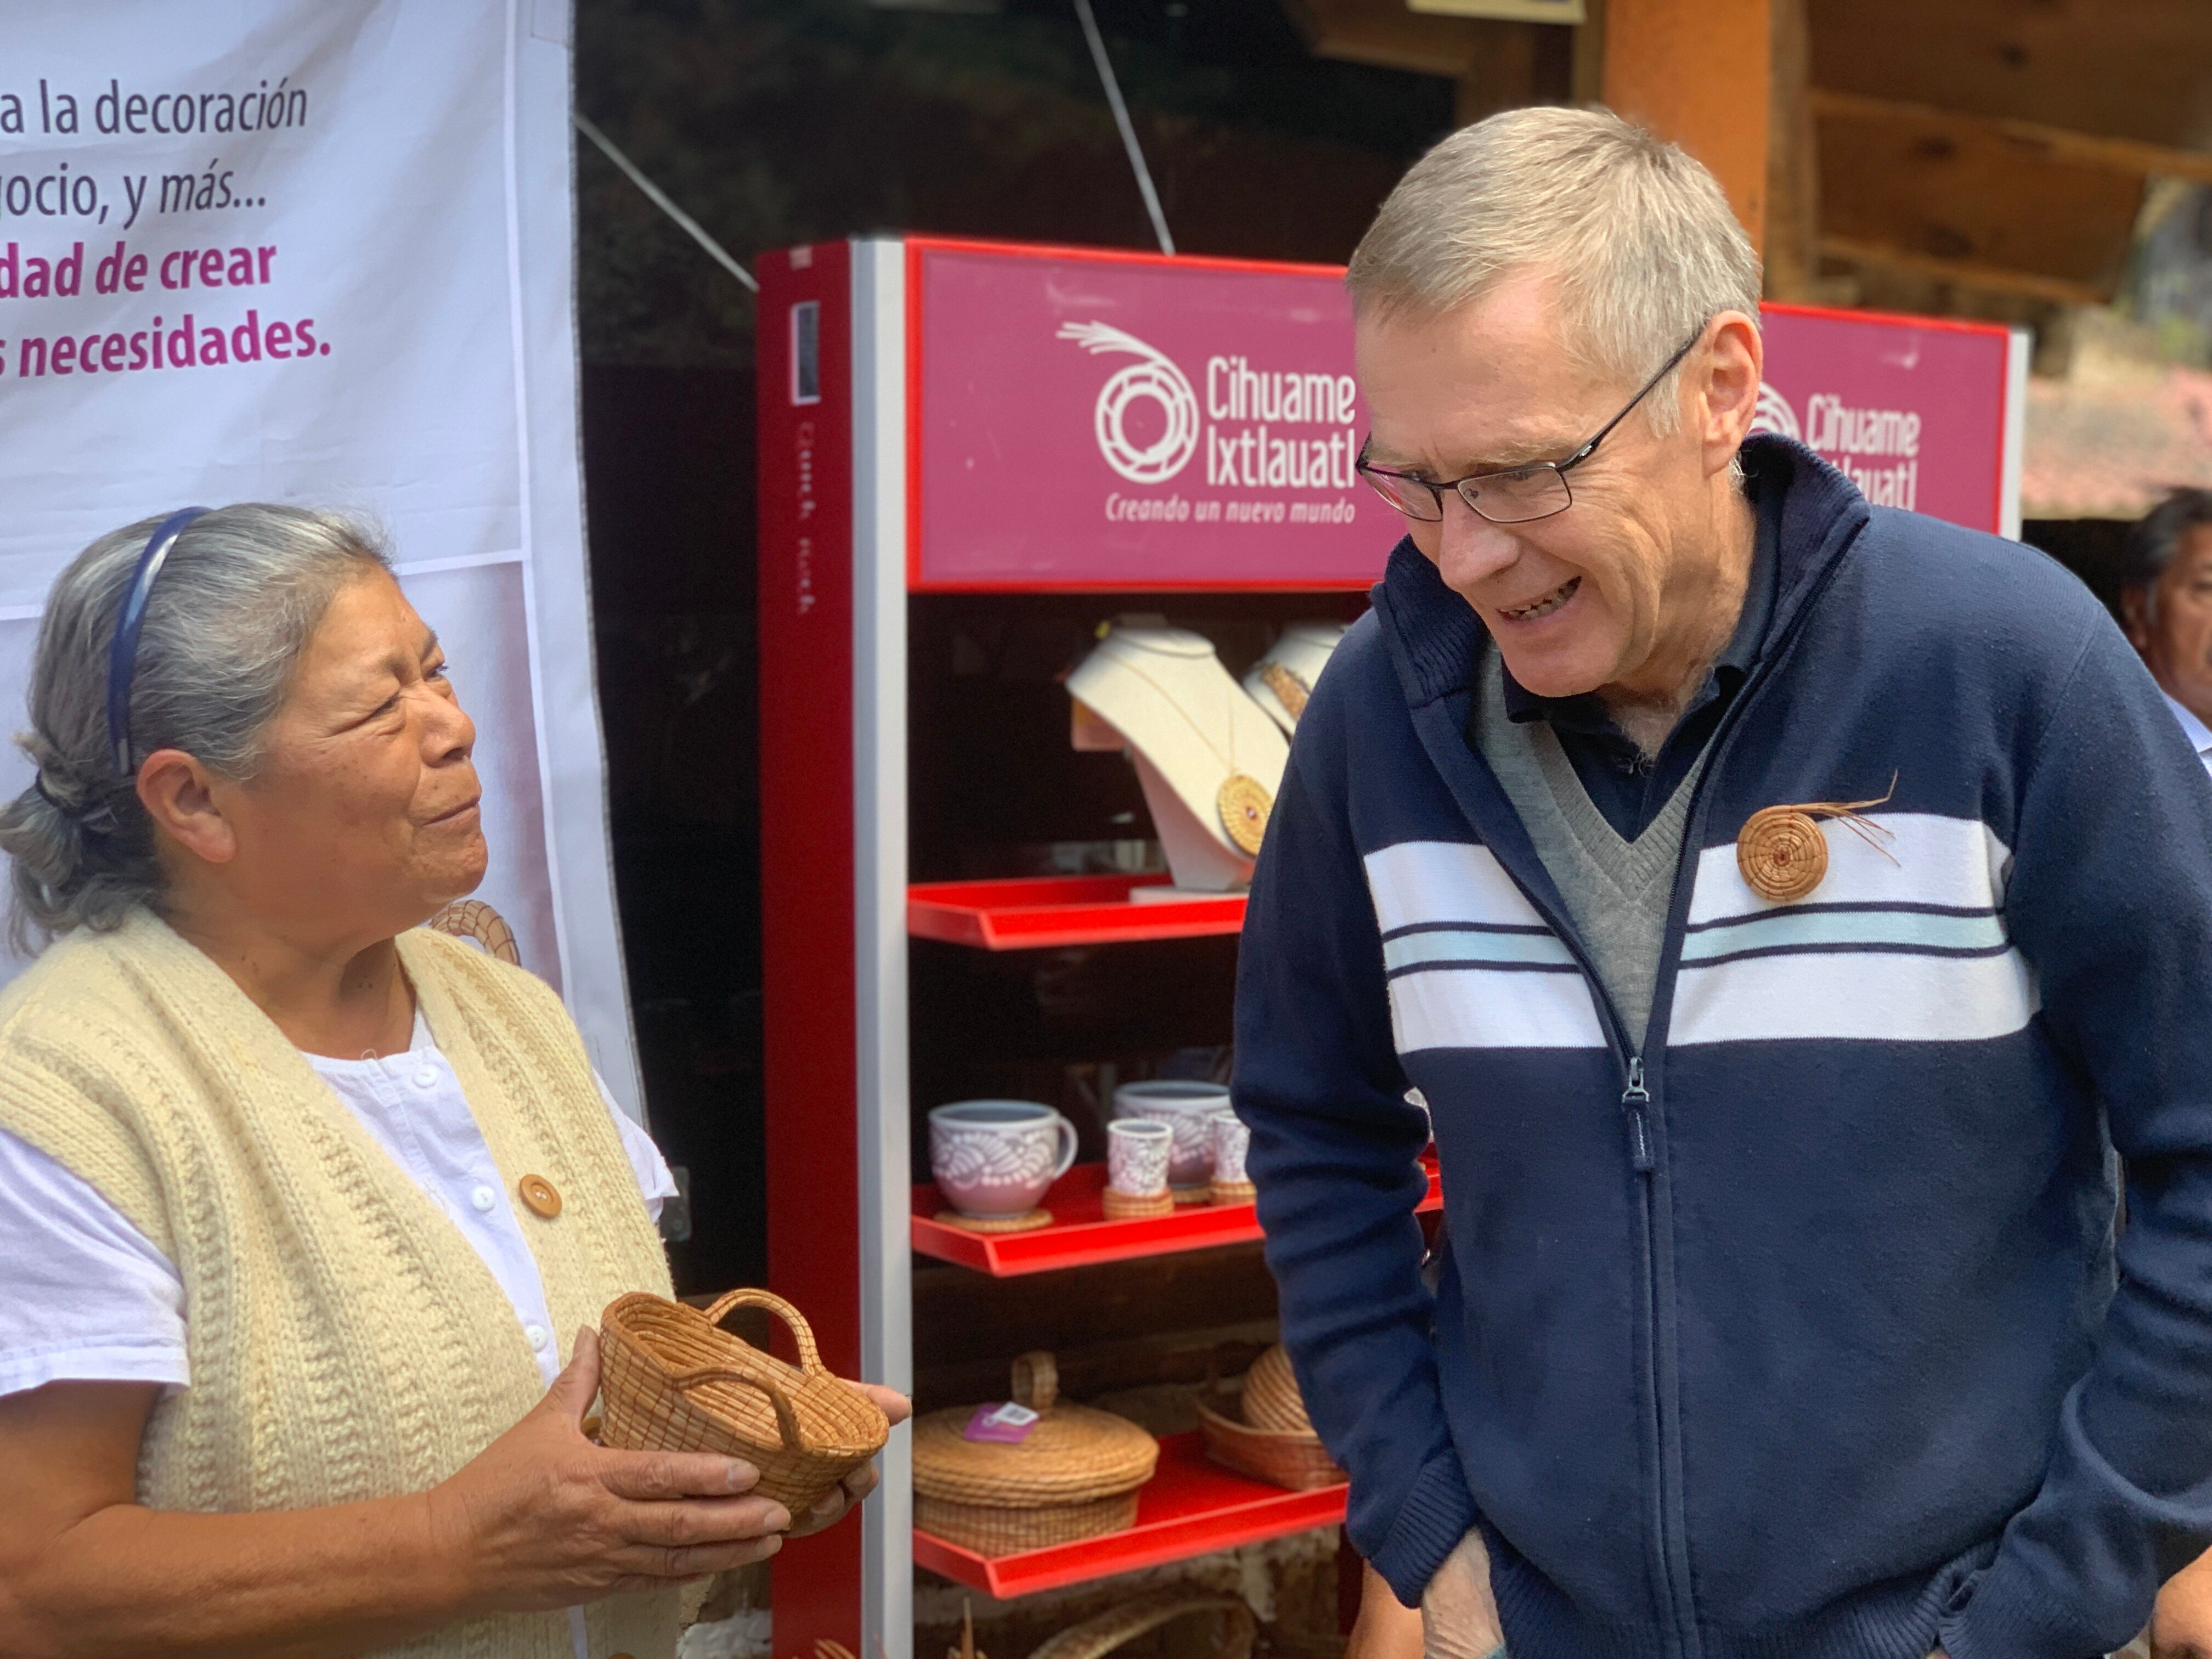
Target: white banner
x,y
321,251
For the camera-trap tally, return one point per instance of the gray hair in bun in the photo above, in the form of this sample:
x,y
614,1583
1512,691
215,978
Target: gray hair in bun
x,y
241,594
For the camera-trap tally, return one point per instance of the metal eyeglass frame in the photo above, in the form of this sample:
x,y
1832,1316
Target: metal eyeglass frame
x,y
1459,486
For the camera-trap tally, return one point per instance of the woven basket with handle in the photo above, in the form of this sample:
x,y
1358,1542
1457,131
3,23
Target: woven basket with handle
x,y
1074,1475
1096,1637
672,1380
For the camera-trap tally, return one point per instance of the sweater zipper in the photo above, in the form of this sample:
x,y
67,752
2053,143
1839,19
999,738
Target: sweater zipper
x,y
1635,1104
1639,1106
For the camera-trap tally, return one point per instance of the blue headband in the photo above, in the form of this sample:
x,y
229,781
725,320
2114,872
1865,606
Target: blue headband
x,y
123,654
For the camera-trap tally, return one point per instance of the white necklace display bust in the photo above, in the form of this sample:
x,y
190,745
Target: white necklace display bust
x,y
1281,681
1208,757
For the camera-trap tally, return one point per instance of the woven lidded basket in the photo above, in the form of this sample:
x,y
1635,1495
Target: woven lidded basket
x,y
1075,1475
672,1379
1100,1635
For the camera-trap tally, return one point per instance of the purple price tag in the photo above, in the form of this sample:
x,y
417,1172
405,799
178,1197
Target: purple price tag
x,y
1007,1425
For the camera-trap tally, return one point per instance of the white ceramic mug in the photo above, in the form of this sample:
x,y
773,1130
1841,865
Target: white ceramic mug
x,y
1186,1107
1138,1150
995,1158
1231,1140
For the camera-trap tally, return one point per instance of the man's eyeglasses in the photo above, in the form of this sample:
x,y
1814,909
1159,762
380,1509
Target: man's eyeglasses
x,y
1509,494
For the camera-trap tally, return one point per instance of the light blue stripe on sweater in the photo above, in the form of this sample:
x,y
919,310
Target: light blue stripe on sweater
x,y
1437,946
1905,928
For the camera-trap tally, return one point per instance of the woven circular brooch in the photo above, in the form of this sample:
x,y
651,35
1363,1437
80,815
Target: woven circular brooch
x,y
1782,853
1244,804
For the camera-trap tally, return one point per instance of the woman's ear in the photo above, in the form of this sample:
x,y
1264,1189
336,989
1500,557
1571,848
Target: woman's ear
x,y
178,794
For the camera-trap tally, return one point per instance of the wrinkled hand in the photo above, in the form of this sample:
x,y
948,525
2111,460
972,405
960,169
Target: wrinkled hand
x,y
1459,1615
2182,1626
542,1518
862,1480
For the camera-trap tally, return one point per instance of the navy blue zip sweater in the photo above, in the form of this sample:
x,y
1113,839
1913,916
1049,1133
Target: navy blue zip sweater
x,y
1800,1334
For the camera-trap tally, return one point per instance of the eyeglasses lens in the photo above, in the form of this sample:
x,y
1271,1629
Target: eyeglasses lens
x,y
1410,496
1516,497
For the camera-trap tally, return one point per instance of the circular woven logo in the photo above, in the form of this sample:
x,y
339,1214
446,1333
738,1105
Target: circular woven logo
x,y
1153,380
1782,853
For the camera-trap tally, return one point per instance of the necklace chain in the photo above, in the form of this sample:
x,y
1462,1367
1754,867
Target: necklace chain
x,y
1229,760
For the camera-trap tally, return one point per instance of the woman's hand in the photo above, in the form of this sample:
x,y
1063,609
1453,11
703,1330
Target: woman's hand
x,y
543,1518
862,1480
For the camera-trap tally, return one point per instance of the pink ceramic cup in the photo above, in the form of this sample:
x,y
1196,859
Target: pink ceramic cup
x,y
995,1158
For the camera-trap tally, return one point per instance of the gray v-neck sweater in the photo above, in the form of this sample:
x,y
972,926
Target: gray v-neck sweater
x,y
1616,891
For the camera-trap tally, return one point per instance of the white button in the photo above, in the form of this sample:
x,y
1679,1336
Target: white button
x,y
425,1075
536,1333
484,1197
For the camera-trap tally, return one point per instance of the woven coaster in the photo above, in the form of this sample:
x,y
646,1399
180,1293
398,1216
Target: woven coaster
x,y
1232,1192
1125,1207
1011,1224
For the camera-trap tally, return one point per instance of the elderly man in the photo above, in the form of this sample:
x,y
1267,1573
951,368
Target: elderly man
x,y
1767,896
2167,604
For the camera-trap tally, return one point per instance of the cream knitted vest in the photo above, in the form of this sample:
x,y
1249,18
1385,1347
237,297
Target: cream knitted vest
x,y
346,1342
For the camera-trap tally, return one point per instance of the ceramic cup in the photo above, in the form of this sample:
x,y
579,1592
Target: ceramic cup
x,y
994,1158
1137,1154
1231,1140
1185,1108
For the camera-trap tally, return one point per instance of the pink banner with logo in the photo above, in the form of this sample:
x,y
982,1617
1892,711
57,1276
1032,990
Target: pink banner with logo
x,y
1107,420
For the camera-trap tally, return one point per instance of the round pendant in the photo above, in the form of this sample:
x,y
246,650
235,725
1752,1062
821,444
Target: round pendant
x,y
1782,853
1244,804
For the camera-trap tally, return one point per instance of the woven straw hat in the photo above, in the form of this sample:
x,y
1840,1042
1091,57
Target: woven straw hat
x,y
1272,1400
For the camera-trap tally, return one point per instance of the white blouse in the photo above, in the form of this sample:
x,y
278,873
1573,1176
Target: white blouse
x,y
86,1297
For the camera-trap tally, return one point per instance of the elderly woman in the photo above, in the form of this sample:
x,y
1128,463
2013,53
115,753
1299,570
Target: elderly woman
x,y
301,1203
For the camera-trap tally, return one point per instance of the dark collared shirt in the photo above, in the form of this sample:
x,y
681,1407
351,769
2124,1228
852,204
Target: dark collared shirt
x,y
1629,787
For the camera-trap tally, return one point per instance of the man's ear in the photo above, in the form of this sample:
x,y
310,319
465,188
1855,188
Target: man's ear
x,y
2135,617
178,794
1729,389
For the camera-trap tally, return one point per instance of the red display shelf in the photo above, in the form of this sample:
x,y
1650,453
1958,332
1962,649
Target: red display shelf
x,y
1033,911
1191,1507
1082,1237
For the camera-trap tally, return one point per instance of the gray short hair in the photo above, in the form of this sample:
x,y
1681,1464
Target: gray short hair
x,y
1640,237
2154,538
239,596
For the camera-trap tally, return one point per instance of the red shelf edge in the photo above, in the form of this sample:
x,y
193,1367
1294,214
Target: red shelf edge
x,y
1028,913
1090,1243
1266,1512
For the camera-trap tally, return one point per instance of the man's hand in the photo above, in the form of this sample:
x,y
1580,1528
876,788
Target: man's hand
x,y
2182,1626
1459,1615
862,1480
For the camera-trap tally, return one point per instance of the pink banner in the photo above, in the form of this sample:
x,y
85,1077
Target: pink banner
x,y
1125,421
1913,409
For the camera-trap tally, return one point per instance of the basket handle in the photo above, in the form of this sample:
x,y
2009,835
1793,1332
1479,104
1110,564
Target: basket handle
x,y
810,1357
786,1423
1036,1381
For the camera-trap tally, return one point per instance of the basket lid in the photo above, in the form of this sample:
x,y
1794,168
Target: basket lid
x,y
1071,1454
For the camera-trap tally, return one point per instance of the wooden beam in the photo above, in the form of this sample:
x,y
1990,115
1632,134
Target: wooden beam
x,y
1383,34
2125,155
2117,69
1792,165
1957,197
1696,72
1965,273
